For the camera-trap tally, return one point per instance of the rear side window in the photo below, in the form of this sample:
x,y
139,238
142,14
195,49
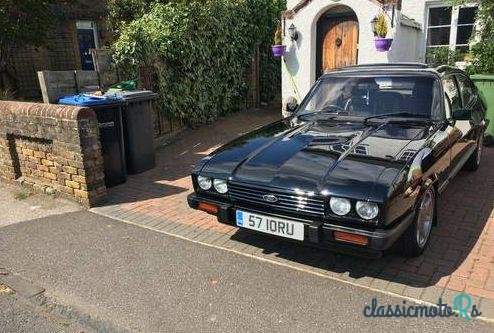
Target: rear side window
x,y
452,93
467,91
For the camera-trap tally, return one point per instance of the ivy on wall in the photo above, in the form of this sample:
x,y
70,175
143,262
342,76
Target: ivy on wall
x,y
200,51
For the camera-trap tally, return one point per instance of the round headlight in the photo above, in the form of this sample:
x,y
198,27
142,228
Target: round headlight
x,y
340,206
220,186
367,210
204,182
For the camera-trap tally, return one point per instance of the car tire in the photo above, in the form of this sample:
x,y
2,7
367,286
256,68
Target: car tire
x,y
473,162
416,238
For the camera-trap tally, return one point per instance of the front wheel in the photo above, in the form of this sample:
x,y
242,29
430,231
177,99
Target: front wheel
x,y
416,237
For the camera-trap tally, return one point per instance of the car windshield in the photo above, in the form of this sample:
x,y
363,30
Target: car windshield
x,y
378,96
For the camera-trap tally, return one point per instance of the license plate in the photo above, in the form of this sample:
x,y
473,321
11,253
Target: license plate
x,y
271,225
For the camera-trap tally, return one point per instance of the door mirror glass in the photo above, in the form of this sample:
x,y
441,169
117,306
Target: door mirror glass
x,y
291,107
462,114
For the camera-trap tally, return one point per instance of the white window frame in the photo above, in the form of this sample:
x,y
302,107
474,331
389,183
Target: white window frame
x,y
454,23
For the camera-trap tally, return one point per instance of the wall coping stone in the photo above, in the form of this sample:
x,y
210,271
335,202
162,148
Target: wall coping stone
x,y
58,111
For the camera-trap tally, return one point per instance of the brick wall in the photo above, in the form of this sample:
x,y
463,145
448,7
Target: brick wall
x,y
59,53
35,158
52,148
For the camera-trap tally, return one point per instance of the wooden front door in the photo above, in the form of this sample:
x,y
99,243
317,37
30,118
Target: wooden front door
x,y
339,43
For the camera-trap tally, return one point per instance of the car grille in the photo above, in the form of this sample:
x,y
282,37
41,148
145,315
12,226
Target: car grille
x,y
291,203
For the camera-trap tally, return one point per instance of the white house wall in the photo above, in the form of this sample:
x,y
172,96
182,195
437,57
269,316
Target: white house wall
x,y
406,46
301,55
416,9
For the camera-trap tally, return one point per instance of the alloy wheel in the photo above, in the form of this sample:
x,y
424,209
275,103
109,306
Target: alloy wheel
x,y
425,218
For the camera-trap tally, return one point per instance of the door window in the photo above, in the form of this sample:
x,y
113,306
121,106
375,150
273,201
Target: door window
x,y
452,93
467,90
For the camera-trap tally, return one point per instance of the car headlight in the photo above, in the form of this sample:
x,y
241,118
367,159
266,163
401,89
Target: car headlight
x,y
367,210
340,206
204,182
220,186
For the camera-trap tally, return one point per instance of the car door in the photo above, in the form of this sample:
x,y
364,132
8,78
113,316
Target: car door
x,y
459,130
456,130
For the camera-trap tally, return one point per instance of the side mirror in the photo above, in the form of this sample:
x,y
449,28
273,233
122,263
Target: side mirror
x,y
462,115
291,107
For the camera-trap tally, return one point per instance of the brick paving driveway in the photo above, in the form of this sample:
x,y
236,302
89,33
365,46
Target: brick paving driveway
x,y
460,257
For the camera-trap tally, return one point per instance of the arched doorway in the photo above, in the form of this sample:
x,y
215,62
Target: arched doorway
x,y
337,39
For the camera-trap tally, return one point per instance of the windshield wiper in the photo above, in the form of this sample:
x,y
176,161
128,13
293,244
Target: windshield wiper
x,y
397,114
329,110
331,115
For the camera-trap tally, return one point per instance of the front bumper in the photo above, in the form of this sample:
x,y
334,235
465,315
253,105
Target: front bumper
x,y
318,233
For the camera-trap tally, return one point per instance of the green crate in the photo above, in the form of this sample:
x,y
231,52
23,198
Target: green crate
x,y
485,84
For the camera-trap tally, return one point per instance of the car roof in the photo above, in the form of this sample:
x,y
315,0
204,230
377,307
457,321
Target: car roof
x,y
397,67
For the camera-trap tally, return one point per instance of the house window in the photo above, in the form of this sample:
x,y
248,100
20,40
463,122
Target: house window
x,y
407,155
451,26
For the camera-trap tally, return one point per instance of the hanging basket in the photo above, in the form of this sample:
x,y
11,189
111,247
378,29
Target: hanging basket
x,y
383,44
279,50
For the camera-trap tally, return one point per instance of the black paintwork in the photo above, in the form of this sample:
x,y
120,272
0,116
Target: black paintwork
x,y
317,156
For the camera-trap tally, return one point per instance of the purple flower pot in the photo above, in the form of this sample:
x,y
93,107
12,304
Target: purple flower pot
x,y
383,44
279,50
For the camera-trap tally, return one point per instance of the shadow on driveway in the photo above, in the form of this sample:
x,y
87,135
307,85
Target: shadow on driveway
x,y
175,161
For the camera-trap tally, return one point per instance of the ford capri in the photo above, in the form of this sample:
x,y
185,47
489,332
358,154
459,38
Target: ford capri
x,y
358,166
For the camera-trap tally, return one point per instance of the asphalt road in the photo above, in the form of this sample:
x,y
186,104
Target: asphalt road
x,y
138,280
19,316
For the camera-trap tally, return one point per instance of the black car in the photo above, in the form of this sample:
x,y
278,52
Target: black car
x,y
358,166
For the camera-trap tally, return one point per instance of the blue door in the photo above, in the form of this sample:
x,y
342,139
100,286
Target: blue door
x,y
87,41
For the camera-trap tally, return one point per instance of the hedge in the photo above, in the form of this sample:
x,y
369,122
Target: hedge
x,y
200,51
